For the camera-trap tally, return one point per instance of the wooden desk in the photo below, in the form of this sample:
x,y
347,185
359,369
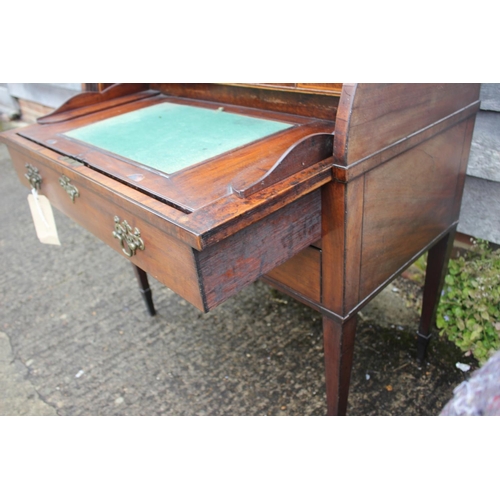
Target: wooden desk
x,y
325,191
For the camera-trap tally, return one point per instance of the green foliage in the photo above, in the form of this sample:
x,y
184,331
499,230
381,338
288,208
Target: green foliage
x,y
469,310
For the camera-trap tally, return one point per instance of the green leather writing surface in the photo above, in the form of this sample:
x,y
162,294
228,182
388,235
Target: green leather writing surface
x,y
170,137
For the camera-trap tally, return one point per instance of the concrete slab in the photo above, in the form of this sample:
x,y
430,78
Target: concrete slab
x,y
484,159
18,396
480,212
490,96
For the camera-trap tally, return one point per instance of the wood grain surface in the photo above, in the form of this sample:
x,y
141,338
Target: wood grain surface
x,y
409,201
386,113
314,105
228,266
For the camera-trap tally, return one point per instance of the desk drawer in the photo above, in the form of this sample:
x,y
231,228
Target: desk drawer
x,y
164,257
205,278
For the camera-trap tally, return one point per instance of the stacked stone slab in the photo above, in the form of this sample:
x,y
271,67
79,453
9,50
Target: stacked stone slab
x,y
480,214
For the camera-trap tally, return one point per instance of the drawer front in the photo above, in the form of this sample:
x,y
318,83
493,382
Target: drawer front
x,y
204,278
163,257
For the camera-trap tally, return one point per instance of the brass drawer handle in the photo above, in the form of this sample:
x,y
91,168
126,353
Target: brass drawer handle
x,y
130,241
72,191
34,178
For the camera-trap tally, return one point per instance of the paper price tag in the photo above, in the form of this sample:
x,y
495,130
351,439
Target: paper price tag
x,y
43,218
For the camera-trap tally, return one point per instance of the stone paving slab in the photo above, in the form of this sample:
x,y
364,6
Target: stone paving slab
x,y
484,158
18,396
490,96
480,212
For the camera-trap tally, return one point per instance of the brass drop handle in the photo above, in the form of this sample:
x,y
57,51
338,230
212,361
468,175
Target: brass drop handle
x,y
72,191
34,178
130,241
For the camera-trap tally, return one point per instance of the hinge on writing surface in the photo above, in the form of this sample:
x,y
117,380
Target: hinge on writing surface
x,y
71,161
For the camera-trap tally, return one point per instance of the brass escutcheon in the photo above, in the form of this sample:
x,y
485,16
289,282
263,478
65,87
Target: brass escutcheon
x,y
34,178
68,187
130,241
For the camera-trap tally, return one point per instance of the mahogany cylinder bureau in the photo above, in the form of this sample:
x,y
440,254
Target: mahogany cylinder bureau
x,y
325,191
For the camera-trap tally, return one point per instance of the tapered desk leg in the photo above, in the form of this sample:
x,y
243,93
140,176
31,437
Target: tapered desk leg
x,y
339,347
437,266
142,279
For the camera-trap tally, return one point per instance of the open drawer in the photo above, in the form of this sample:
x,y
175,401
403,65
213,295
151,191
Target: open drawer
x,y
205,198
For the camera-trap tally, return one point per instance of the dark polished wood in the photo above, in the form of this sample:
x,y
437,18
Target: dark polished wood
x,y
437,264
338,341
330,210
226,267
301,273
90,102
147,294
389,113
322,105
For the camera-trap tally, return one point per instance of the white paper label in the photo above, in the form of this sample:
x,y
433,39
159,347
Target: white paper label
x,y
43,218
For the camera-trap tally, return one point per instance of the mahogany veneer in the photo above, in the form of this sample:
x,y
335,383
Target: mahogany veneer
x,y
362,181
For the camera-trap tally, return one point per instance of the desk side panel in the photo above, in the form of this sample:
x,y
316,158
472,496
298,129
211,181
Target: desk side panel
x,y
409,201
